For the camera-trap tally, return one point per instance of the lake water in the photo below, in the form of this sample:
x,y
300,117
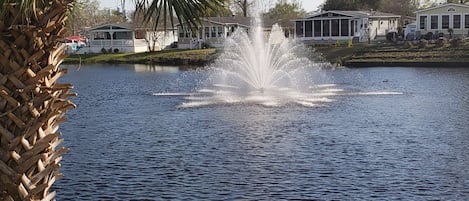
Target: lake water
x,y
128,144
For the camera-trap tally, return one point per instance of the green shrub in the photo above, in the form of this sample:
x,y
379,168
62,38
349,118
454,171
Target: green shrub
x,y
455,42
441,42
408,44
423,43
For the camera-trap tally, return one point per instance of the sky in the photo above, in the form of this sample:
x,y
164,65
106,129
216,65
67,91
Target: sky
x,y
308,5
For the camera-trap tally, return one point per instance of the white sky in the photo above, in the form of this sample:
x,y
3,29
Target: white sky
x,y
308,5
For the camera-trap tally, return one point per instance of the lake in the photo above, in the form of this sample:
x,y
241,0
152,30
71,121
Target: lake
x,y
128,144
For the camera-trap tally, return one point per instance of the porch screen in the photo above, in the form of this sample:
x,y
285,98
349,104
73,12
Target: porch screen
x,y
326,28
299,28
344,24
317,28
335,27
309,28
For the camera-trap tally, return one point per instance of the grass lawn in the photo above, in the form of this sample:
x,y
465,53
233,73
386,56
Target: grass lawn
x,y
178,57
361,54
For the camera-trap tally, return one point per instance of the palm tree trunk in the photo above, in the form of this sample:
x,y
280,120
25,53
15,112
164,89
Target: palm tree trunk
x,y
32,103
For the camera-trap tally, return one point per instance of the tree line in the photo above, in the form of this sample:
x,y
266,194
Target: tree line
x,y
87,13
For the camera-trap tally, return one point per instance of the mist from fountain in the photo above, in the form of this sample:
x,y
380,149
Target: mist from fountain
x,y
264,69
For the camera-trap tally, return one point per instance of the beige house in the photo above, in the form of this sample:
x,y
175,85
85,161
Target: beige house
x,y
345,25
444,17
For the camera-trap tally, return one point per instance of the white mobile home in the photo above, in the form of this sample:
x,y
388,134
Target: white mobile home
x,y
214,30
123,38
345,25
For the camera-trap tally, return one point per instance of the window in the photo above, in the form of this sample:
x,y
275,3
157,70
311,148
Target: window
x,y
445,22
317,28
122,35
309,28
325,28
423,22
220,32
299,28
207,32
456,21
434,22
214,32
344,27
140,34
466,21
181,34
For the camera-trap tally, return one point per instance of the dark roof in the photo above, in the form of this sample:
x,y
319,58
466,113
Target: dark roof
x,y
361,14
238,20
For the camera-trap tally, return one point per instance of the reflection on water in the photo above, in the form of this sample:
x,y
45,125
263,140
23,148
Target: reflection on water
x,y
154,68
127,144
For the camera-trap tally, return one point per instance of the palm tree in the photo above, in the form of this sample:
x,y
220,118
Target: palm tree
x,y
32,102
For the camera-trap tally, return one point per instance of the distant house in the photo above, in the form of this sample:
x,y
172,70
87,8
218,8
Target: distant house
x,y
330,26
123,38
444,17
214,30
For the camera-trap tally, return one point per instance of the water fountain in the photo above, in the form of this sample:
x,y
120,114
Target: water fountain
x,y
263,69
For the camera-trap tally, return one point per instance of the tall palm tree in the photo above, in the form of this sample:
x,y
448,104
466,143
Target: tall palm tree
x,y
32,102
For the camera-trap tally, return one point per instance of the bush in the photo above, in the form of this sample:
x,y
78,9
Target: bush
x,y
423,43
455,42
103,50
441,42
116,50
408,44
428,36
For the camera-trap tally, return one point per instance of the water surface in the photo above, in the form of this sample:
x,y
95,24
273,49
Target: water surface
x,y
127,144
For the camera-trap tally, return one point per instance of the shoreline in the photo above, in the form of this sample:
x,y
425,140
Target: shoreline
x,y
358,56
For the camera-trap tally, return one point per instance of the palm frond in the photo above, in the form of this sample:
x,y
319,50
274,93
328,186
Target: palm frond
x,y
187,12
27,8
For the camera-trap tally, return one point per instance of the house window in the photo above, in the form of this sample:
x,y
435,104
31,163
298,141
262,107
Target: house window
x,y
434,22
214,32
141,34
325,28
299,28
99,35
181,34
317,28
207,32
335,27
466,21
456,21
445,22
309,28
220,32
344,27
122,35
423,22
